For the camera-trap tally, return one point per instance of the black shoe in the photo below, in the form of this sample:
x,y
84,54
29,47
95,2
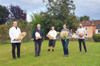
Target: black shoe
x,y
52,49
48,49
36,56
14,58
18,57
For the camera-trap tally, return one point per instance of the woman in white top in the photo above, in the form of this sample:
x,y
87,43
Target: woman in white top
x,y
52,42
14,33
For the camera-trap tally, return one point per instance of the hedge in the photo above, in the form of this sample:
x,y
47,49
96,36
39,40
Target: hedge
x,y
96,37
4,35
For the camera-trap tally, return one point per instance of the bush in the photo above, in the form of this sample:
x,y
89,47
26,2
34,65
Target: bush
x,y
4,35
96,37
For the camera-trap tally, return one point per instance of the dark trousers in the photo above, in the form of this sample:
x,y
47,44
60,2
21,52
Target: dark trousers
x,y
52,43
18,49
80,47
38,47
65,46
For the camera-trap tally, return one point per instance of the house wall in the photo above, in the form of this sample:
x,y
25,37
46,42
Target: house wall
x,y
94,29
89,31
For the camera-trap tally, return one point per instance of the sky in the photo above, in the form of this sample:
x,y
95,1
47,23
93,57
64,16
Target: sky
x,y
83,7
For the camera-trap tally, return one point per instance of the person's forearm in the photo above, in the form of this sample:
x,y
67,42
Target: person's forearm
x,y
84,33
68,37
77,33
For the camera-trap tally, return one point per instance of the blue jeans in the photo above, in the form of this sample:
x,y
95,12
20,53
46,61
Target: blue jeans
x,y
65,46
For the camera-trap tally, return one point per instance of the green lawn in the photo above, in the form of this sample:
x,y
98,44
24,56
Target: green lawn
x,y
55,58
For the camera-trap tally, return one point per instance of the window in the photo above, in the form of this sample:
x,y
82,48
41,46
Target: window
x,y
98,31
86,34
86,28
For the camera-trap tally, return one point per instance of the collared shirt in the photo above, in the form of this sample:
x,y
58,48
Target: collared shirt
x,y
14,33
16,27
53,33
81,31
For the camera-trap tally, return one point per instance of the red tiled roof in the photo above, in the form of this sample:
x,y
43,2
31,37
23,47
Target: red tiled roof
x,y
96,22
90,23
86,23
98,26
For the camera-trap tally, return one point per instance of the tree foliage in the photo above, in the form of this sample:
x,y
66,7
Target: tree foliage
x,y
36,19
17,13
59,12
4,14
82,18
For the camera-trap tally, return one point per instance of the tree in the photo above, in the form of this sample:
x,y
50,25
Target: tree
x,y
17,13
59,12
4,14
36,19
82,18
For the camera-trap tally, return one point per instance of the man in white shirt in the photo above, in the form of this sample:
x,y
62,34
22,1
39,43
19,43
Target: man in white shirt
x,y
14,33
52,42
81,32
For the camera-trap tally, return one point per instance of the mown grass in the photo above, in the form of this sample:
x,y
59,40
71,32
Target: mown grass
x,y
55,58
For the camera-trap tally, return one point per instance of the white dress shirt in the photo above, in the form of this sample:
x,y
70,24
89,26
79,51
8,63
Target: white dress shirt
x,y
53,33
81,31
14,33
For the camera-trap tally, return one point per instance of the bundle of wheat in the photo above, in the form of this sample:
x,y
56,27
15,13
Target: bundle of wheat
x,y
63,35
49,36
21,36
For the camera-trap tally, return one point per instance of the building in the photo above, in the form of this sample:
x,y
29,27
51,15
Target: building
x,y
98,29
91,27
